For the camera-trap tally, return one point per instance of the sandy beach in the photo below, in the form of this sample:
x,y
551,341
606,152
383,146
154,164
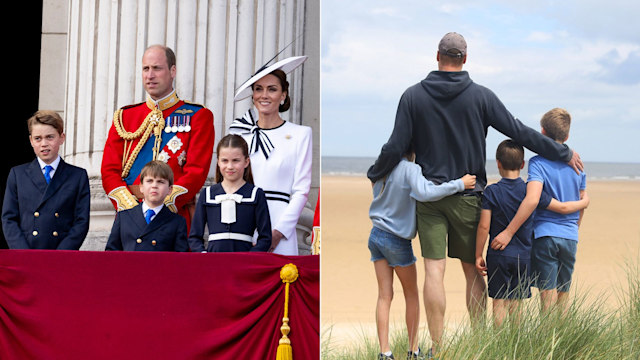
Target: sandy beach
x,y
609,237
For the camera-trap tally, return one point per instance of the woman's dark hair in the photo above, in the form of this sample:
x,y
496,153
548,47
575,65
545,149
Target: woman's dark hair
x,y
285,88
234,141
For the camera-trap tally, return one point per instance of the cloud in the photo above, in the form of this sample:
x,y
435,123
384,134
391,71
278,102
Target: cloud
x,y
533,55
388,12
376,61
450,8
620,70
539,36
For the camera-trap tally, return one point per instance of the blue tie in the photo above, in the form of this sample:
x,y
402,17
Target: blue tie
x,y
148,215
47,170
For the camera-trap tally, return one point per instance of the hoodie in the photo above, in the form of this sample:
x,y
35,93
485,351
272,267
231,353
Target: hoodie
x,y
446,117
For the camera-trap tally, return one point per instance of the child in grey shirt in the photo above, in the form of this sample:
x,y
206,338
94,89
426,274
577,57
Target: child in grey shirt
x,y
393,214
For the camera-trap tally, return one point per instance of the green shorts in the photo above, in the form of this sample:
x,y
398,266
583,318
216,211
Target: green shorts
x,y
450,223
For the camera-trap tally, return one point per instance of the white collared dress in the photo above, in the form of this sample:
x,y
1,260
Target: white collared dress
x,y
281,166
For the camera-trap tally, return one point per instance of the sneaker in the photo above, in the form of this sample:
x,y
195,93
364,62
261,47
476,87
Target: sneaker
x,y
382,356
413,356
430,355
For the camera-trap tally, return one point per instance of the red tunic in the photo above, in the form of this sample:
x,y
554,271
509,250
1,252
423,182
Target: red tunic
x,y
315,235
190,160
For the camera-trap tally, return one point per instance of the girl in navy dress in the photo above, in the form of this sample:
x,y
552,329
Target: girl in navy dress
x,y
233,208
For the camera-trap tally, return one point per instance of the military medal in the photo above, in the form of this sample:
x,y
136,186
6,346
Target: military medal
x,y
174,144
182,158
181,126
167,129
174,128
163,156
187,128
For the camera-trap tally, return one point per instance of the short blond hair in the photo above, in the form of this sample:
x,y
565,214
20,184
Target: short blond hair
x,y
556,123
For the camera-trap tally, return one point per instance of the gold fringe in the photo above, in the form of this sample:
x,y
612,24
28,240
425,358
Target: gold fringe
x,y
154,122
288,274
170,200
123,198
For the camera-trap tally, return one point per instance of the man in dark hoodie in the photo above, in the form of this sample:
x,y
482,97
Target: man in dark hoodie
x,y
446,118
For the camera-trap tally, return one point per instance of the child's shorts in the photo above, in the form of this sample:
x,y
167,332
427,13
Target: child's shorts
x,y
552,261
508,277
396,250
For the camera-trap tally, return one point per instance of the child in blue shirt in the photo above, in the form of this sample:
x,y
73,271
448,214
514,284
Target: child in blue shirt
x,y
393,214
508,267
553,252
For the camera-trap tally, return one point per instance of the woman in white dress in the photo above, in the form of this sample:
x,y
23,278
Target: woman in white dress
x,y
280,151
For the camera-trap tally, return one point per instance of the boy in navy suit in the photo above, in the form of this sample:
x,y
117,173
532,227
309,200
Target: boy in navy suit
x,y
150,226
46,202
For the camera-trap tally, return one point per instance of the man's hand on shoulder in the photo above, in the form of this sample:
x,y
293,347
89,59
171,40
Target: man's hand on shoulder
x,y
576,162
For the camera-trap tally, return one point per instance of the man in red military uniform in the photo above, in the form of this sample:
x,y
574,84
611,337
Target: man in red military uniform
x,y
163,128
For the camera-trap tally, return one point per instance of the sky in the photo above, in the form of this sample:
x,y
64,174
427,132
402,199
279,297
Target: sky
x,y
583,56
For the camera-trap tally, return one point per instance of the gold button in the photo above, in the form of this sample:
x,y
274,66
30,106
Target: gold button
x,y
57,215
139,241
34,233
55,233
36,214
153,243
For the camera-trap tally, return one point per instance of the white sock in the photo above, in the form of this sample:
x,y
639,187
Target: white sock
x,y
388,353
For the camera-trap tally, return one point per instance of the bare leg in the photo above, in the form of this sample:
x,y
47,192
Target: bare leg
x,y
563,301
476,295
435,301
409,279
384,275
515,310
548,299
499,311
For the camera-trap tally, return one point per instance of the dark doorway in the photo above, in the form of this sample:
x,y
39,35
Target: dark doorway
x,y
22,66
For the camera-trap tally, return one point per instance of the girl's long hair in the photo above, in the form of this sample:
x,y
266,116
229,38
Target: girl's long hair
x,y
234,141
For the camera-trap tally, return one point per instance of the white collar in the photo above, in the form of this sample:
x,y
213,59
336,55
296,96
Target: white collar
x,y
146,207
54,164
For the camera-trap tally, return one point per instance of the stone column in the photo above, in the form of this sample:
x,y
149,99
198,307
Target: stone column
x,y
218,45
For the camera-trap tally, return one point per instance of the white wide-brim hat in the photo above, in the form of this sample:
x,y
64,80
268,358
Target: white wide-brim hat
x,y
287,65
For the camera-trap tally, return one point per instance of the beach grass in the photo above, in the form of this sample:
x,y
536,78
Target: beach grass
x,y
586,330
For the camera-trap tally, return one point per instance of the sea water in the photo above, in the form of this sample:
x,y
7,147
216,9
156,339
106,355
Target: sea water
x,y
358,166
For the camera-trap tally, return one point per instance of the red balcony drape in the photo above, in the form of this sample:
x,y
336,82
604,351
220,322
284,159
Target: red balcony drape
x,y
139,305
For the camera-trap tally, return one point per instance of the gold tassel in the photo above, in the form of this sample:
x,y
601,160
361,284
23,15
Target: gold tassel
x,y
152,124
288,274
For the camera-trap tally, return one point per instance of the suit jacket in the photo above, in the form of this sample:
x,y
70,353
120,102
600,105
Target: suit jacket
x,y
130,232
37,215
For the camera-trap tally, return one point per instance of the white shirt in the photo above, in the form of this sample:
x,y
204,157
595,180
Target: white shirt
x,y
54,166
156,210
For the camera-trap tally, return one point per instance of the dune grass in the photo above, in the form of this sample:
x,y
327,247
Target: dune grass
x,y
587,330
